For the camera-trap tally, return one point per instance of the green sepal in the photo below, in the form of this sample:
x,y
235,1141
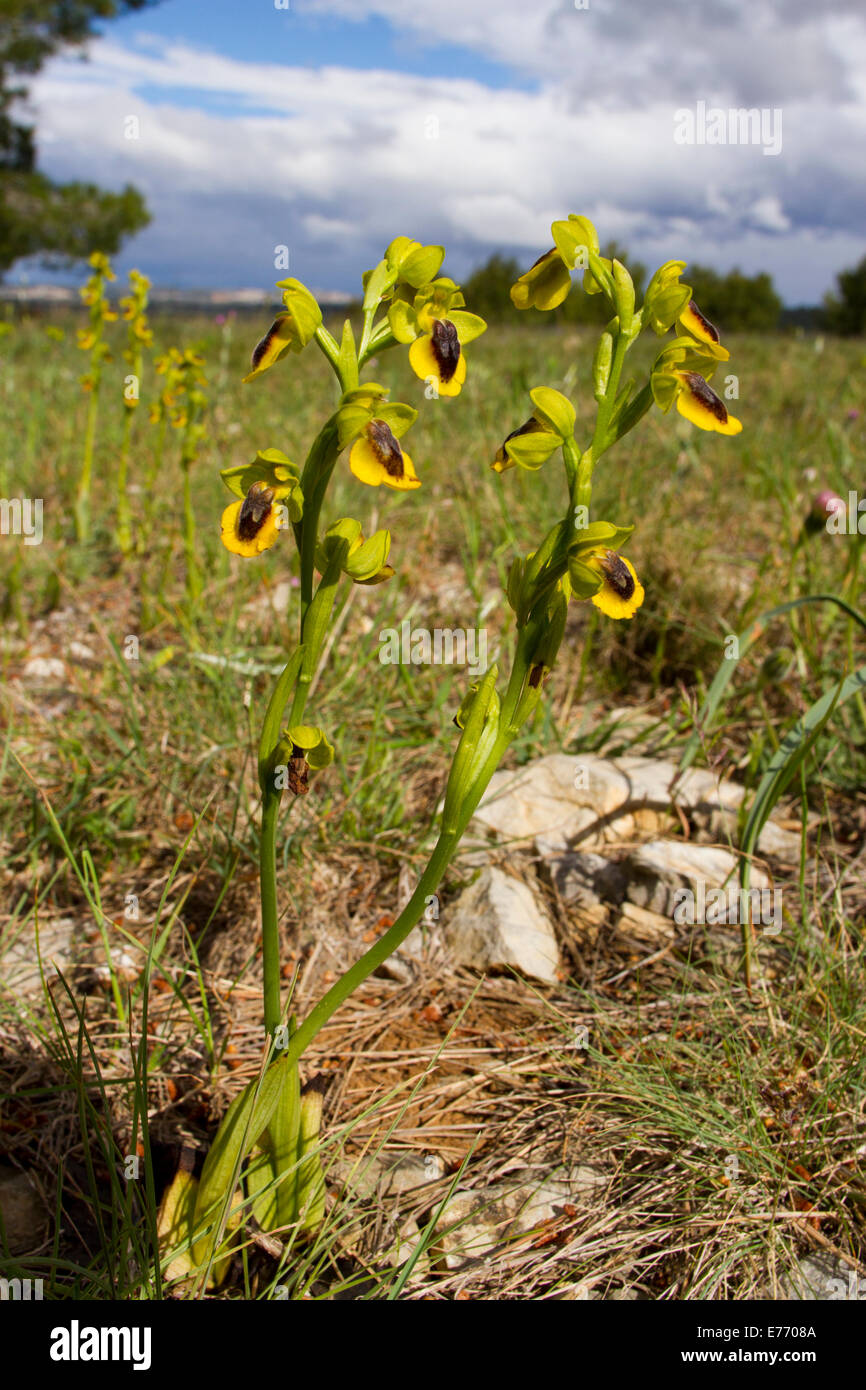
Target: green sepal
x,y
665,297
304,310
584,581
691,354
367,394
397,251
598,277
664,388
351,419
310,740
469,326
269,466
403,321
397,416
530,451
368,560
554,411
662,309
596,535
574,240
421,265
338,541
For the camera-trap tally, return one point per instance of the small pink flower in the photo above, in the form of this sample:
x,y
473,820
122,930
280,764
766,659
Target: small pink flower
x,y
825,503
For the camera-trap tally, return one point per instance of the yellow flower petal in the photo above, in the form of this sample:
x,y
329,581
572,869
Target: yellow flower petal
x,y
278,339
698,403
432,357
252,525
621,593
694,322
376,457
545,285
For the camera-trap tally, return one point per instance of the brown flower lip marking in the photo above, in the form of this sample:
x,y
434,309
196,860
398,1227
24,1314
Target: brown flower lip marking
x,y
618,575
706,396
446,348
264,343
386,448
709,328
531,426
298,773
254,512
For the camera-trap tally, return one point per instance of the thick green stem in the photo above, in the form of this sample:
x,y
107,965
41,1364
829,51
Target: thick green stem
x,y
608,400
268,891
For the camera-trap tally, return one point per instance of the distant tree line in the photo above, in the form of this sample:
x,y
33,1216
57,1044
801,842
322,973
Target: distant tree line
x,y
735,302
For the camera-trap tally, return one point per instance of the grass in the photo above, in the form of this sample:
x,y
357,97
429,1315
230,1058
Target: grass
x,y
129,808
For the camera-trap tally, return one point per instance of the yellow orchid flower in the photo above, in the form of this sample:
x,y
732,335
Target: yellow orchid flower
x,y
437,354
252,525
699,404
621,593
544,285
376,457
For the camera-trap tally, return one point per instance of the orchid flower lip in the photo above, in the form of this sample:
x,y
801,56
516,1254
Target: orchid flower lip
x,y
385,447
255,509
446,348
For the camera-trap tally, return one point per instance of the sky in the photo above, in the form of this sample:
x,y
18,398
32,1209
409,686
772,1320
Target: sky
x,y
330,126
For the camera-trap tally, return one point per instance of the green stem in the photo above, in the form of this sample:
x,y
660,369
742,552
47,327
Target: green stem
x,y
608,400
193,578
82,503
268,893
123,533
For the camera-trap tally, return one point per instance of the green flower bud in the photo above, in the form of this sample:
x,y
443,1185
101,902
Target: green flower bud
x,y
601,365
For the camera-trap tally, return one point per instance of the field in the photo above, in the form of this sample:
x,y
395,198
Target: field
x,y
129,815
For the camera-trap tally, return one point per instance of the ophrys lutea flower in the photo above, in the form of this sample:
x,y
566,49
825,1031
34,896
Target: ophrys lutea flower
x,y
254,524
438,329
621,593
377,457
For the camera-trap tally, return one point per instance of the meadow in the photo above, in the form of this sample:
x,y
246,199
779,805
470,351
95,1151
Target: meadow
x,y
129,810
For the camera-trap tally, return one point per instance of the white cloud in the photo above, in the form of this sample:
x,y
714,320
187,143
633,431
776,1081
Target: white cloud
x,y
334,162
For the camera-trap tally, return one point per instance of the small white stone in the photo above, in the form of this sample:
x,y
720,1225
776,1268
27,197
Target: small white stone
x,y
44,668
497,922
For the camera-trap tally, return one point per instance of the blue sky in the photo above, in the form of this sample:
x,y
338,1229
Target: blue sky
x,y
335,125
250,31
